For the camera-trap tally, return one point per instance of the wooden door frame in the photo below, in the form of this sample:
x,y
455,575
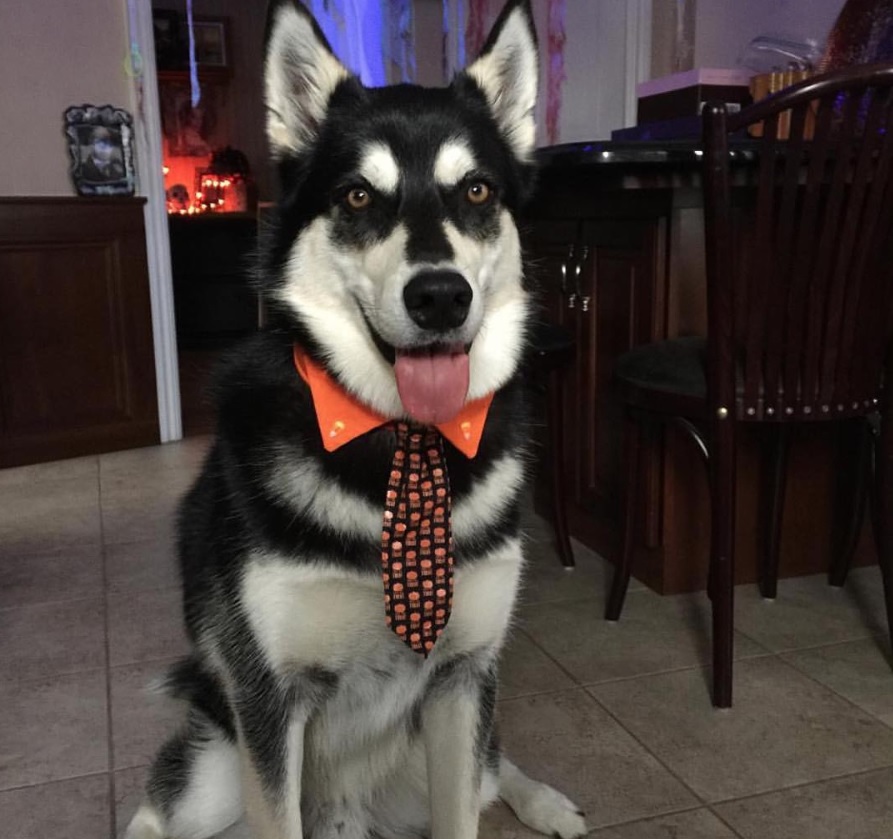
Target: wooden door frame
x,y
147,124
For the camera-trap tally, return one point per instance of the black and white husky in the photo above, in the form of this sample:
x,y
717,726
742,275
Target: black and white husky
x,y
395,249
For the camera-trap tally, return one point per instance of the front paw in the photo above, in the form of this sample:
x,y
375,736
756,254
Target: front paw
x,y
552,813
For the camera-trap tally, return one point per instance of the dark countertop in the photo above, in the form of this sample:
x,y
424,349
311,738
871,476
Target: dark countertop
x,y
629,177
646,152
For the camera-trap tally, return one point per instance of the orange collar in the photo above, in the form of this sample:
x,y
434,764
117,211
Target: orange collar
x,y
343,418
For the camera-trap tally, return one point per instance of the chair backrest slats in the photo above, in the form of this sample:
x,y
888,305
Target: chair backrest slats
x,y
813,239
759,280
790,235
861,289
848,221
865,275
816,245
804,271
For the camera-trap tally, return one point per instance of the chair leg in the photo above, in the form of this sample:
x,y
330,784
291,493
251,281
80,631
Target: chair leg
x,y
884,531
555,421
631,446
722,558
858,490
774,511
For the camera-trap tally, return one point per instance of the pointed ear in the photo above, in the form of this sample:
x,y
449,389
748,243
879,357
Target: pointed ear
x,y
300,74
507,71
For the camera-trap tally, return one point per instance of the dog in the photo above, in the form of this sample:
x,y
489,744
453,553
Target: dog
x,y
394,285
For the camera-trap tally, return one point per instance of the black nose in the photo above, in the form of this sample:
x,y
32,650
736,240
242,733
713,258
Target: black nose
x,y
438,300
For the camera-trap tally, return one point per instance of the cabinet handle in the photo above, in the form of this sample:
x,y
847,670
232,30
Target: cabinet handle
x,y
571,295
571,299
585,300
578,266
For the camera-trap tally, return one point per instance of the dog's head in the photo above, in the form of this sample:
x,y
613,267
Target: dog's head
x,y
395,251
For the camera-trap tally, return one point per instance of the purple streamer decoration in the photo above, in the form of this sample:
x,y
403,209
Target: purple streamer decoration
x,y
196,91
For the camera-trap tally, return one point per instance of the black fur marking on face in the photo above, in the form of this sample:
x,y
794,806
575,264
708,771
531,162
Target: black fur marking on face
x,y
480,221
424,213
360,228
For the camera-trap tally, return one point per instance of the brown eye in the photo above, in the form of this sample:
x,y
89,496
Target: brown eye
x,y
358,199
478,193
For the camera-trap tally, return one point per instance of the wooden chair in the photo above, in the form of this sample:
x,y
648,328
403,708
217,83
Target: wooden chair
x,y
800,309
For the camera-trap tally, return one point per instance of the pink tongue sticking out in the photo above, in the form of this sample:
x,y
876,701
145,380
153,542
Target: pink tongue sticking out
x,y
432,388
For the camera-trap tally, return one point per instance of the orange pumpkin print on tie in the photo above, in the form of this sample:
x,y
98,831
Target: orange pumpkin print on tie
x,y
410,560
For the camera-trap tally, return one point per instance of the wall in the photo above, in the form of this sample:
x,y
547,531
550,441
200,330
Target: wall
x,y
54,54
428,36
594,95
723,28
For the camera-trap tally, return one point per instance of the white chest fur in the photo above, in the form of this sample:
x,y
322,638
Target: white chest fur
x,y
327,616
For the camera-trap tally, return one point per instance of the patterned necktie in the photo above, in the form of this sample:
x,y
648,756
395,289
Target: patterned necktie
x,y
416,539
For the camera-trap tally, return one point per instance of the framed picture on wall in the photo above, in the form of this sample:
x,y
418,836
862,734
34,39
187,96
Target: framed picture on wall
x,y
100,148
211,47
171,31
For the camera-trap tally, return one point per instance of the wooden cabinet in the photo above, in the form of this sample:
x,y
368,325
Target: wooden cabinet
x,y
603,279
77,370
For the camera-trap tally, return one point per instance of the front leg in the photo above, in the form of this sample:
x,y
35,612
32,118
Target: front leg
x,y
271,745
272,714
456,724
